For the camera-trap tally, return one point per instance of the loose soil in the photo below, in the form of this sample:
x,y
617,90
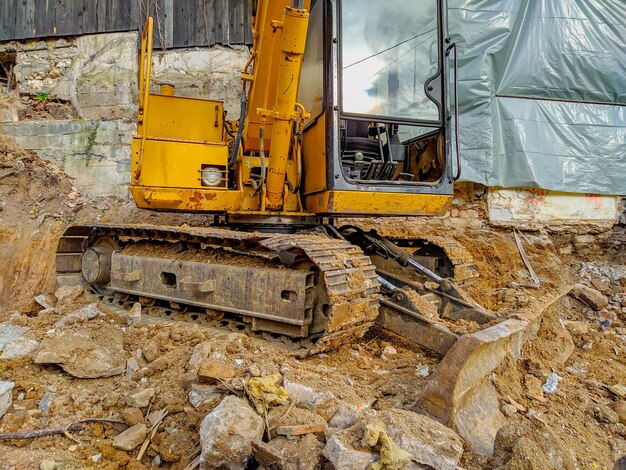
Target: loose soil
x,y
39,201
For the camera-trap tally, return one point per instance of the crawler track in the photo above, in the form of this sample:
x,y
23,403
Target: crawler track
x,y
349,277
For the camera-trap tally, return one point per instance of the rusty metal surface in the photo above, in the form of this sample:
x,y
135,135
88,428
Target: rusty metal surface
x,y
407,324
349,277
249,291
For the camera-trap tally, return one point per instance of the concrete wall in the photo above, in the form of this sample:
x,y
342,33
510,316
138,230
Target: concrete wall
x,y
530,207
97,74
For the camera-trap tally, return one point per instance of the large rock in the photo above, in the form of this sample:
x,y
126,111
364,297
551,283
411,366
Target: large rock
x,y
67,294
531,445
589,296
88,312
131,438
10,333
20,347
85,351
344,451
6,396
338,413
298,454
429,443
227,433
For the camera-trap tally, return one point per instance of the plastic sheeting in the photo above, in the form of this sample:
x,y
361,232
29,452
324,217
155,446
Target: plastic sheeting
x,y
542,93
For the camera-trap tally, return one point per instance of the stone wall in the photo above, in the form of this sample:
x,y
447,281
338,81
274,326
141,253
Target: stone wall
x,y
96,153
98,75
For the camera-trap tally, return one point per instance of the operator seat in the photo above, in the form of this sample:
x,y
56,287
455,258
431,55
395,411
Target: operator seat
x,y
357,139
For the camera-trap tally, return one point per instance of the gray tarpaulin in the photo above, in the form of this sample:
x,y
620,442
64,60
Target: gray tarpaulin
x,y
542,87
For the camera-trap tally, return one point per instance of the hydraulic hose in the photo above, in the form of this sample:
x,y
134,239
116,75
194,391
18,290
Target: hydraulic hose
x,y
234,152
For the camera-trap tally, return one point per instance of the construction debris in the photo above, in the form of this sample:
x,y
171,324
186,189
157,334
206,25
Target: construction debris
x,y
227,434
131,438
84,351
238,400
589,296
6,397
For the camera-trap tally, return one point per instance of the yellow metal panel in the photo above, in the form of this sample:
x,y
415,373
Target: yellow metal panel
x,y
377,203
314,157
184,118
175,164
188,200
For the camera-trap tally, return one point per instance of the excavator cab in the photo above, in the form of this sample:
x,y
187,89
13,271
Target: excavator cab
x,y
374,78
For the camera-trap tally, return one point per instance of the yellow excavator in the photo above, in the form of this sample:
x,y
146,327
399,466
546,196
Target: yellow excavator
x,y
344,112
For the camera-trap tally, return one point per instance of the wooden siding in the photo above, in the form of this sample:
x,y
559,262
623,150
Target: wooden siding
x,y
179,23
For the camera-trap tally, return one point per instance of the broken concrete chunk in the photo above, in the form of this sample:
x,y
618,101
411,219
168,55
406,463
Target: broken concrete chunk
x,y
20,347
131,438
589,297
68,294
135,312
132,416
298,454
427,442
508,410
530,445
10,333
302,395
198,355
215,370
132,366
140,398
6,396
347,415
85,353
388,351
341,453
44,300
227,434
200,394
88,312
151,351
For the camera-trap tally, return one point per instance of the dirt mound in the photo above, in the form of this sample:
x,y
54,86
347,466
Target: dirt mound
x,y
35,200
